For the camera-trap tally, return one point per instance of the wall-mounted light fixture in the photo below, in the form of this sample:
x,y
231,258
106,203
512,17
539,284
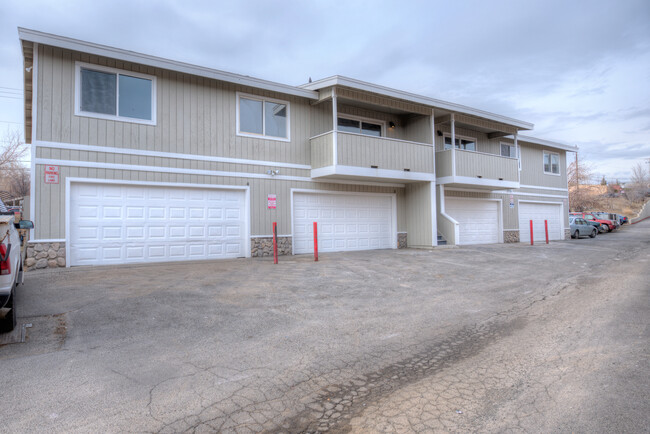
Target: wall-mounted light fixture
x,y
439,133
272,172
391,125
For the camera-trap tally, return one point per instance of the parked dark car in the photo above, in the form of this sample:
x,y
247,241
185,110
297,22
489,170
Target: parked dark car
x,y
581,228
601,225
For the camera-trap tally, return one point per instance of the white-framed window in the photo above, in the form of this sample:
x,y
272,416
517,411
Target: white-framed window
x,y
508,150
358,125
551,163
462,142
114,94
262,117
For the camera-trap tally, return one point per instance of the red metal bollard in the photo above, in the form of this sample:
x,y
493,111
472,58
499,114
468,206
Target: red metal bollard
x,y
315,242
531,233
546,229
275,243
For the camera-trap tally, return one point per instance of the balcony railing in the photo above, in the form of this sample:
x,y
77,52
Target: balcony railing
x,y
477,169
389,158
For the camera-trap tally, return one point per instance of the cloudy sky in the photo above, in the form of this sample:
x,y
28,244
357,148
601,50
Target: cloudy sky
x,y
578,70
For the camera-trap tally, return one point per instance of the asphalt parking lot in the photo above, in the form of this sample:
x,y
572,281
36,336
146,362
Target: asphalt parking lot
x,y
488,338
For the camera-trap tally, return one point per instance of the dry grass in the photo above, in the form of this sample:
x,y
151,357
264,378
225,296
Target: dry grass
x,y
594,198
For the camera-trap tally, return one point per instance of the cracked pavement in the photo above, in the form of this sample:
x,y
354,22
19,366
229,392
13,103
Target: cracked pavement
x,y
483,338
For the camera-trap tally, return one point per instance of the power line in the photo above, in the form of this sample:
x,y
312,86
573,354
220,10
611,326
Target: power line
x,y
10,88
11,122
11,97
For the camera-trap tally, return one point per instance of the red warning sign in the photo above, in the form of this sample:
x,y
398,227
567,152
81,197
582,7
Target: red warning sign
x,y
51,174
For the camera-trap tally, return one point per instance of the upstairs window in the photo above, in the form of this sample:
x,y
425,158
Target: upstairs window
x,y
262,117
508,150
551,163
109,93
360,126
465,143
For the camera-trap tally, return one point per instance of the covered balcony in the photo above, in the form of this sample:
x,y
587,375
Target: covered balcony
x,y
345,155
462,168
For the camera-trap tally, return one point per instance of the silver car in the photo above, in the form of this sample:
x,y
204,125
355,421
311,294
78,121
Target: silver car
x,y
581,228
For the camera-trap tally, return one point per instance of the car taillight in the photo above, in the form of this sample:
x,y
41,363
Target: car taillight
x,y
5,263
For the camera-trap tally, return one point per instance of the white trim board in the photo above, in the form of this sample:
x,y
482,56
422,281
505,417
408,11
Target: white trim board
x,y
515,193
70,180
142,152
159,169
159,62
370,172
477,181
140,168
539,187
53,240
32,174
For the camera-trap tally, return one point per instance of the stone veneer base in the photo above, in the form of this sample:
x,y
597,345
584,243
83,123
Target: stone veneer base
x,y
263,246
511,236
402,241
567,234
45,255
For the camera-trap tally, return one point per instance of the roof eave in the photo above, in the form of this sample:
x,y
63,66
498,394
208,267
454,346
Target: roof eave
x,y
547,143
159,62
338,80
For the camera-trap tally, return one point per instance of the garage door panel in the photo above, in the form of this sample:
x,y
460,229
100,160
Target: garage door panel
x,y
538,212
478,220
112,224
345,222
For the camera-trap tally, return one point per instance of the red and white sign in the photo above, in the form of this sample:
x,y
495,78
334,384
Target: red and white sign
x,y
51,174
271,201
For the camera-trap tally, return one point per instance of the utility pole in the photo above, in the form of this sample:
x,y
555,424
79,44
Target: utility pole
x,y
577,176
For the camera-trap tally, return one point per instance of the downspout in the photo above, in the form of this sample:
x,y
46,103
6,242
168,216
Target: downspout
x,y
335,127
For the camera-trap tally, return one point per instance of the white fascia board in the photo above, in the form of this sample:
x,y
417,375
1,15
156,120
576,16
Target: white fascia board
x,y
159,62
547,143
370,172
338,80
466,180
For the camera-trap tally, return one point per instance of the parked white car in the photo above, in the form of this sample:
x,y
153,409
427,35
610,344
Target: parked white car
x,y
11,265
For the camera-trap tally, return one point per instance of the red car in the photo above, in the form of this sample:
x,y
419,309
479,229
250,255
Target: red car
x,y
605,225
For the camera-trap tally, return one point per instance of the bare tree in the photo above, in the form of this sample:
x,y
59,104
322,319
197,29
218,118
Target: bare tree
x,y
639,185
12,152
20,183
580,199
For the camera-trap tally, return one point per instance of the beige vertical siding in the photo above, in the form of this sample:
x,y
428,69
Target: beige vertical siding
x,y
322,151
194,115
532,167
50,198
321,118
444,163
418,214
417,128
365,151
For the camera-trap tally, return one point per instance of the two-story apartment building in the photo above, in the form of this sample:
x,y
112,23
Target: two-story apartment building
x,y
137,158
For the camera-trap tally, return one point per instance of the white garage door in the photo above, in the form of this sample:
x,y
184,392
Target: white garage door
x,y
345,222
538,212
478,220
116,224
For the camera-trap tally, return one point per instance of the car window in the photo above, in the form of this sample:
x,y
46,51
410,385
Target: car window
x,y
589,217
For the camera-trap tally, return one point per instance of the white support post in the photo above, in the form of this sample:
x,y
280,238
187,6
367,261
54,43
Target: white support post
x,y
518,157
335,127
453,145
434,207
